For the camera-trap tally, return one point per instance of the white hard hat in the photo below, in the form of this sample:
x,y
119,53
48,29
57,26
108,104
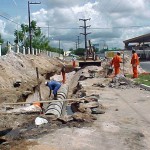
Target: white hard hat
x,y
46,83
51,79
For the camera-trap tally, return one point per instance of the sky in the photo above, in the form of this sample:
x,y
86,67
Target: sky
x,y
112,21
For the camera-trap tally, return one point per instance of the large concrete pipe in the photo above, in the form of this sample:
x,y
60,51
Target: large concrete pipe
x,y
55,108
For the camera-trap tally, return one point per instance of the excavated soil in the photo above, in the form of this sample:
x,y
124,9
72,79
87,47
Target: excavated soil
x,y
18,81
17,129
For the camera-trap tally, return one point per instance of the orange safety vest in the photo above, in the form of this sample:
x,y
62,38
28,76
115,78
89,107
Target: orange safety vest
x,y
116,61
135,59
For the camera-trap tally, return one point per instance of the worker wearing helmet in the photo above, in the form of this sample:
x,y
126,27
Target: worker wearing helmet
x,y
53,86
135,63
74,62
116,63
63,72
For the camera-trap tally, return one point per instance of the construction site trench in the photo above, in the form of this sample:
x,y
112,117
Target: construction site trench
x,y
92,107
18,125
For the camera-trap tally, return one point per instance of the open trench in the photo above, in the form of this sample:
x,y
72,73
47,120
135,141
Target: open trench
x,y
23,127
18,128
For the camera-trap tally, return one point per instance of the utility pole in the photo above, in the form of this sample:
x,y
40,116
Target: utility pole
x,y
85,33
59,48
78,41
48,30
76,45
30,36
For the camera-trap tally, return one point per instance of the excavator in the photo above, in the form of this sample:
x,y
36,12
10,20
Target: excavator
x,y
90,58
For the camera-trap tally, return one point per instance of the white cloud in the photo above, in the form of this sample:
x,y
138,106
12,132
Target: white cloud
x,y
103,13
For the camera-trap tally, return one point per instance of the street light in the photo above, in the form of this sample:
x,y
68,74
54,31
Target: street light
x,y
30,24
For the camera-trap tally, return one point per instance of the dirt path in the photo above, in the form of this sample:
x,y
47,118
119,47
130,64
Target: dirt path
x,y
125,125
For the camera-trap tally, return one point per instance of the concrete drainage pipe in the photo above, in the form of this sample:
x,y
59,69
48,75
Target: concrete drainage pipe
x,y
55,108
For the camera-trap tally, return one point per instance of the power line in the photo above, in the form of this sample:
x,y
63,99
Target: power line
x,y
76,28
9,19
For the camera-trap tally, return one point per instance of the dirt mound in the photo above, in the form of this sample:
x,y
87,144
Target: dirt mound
x,y
18,74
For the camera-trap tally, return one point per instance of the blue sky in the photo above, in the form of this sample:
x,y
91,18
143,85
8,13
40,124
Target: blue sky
x,y
106,16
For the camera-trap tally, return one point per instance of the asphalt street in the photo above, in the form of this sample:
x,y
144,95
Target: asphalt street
x,y
145,65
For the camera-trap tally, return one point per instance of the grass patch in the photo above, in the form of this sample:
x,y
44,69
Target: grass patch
x,y
128,75
143,79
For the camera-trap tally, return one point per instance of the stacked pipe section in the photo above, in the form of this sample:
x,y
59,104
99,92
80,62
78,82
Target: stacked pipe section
x,y
55,108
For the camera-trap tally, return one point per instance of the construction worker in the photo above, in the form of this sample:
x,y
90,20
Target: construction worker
x,y
116,63
53,86
74,62
135,63
63,72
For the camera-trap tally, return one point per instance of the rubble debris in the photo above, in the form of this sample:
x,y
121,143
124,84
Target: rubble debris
x,y
3,141
78,116
120,81
83,77
99,85
97,111
39,121
81,93
123,83
88,105
5,131
65,119
91,98
26,93
92,73
17,84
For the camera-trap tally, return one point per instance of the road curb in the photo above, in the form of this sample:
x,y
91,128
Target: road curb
x,y
146,87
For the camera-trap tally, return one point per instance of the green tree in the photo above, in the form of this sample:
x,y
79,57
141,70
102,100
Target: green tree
x,y
1,40
38,39
4,50
79,51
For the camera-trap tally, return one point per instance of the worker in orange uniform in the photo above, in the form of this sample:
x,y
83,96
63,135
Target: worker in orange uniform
x,y
74,62
135,63
63,72
116,63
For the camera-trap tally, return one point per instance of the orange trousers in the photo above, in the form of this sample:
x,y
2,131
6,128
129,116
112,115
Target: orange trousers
x,y
64,77
117,70
74,64
135,72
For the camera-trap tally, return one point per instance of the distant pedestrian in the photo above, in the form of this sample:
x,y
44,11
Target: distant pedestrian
x,y
53,86
116,63
63,72
74,62
135,63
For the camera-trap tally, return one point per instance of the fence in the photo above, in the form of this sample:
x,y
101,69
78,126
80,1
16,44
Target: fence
x,y
24,50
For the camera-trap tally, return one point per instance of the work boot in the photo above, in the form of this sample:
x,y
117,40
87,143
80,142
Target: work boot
x,y
55,97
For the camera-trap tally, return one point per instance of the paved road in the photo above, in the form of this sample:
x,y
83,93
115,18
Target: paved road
x,y
124,126
145,65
